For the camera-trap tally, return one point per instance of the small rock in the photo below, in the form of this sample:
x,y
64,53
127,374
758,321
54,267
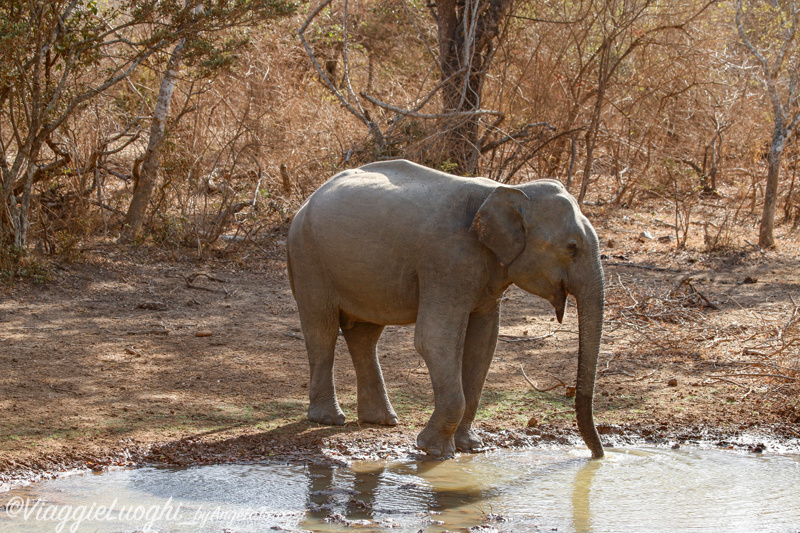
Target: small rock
x,y
673,382
203,333
646,236
608,429
336,518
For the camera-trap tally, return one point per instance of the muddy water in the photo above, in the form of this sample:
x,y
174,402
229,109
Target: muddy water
x,y
633,489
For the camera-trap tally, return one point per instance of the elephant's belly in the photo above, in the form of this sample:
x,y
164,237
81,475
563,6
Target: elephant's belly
x,y
387,304
386,317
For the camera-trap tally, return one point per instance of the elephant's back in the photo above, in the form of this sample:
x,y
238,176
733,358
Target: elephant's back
x,y
384,207
395,196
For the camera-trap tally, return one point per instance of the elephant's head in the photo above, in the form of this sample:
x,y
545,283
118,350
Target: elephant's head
x,y
550,249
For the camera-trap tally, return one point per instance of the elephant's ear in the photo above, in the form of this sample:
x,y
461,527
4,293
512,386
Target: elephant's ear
x,y
498,223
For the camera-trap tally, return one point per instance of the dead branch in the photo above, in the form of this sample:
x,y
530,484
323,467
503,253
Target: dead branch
x,y
514,338
190,278
686,280
647,375
356,109
644,267
730,381
532,384
416,114
754,375
149,332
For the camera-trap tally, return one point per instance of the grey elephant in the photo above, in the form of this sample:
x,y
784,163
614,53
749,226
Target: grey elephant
x,y
399,243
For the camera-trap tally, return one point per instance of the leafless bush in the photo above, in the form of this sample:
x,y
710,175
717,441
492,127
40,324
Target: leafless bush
x,y
762,351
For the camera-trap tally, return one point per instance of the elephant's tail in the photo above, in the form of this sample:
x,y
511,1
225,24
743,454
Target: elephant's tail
x,y
289,268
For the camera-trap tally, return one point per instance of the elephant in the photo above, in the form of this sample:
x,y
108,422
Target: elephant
x,y
394,242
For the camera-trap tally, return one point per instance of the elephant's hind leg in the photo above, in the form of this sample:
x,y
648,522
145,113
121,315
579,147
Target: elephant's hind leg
x,y
320,322
373,402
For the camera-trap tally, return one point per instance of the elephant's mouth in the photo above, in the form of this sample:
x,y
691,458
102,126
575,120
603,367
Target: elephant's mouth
x,y
559,301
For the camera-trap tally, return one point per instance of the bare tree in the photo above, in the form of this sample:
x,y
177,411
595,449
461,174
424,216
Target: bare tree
x,y
198,19
146,167
771,38
624,27
52,62
59,55
468,32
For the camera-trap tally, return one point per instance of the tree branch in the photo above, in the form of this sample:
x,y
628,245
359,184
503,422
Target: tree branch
x,y
414,114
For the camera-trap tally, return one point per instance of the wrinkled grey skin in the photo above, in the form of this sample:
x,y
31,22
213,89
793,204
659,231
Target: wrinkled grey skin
x,y
397,243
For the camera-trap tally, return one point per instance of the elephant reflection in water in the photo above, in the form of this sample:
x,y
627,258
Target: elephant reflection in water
x,y
408,495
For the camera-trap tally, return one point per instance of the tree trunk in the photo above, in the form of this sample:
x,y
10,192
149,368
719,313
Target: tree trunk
x,y
17,206
766,237
148,164
467,32
591,139
604,71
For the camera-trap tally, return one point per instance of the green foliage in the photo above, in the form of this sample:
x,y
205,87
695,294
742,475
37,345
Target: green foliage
x,y
448,166
15,264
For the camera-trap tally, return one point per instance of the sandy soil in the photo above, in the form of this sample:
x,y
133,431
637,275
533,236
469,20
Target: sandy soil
x,y
137,355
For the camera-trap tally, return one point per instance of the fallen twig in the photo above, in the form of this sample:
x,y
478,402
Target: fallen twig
x,y
645,267
163,331
532,384
190,282
192,277
515,338
687,280
59,389
754,375
647,375
715,380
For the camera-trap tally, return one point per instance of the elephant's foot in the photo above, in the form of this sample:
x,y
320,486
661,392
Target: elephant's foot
x,y
467,440
328,413
382,415
435,443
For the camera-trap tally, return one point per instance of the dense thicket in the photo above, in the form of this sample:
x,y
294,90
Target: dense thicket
x,y
620,99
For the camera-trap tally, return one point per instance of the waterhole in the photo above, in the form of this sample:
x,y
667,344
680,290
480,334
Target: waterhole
x,y
632,489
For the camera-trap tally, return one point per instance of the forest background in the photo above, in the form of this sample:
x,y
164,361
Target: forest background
x,y
203,124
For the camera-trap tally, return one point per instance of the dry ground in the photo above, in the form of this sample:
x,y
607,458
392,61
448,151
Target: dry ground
x,y
104,364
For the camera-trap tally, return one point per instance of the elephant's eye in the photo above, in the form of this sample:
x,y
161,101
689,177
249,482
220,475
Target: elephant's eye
x,y
572,249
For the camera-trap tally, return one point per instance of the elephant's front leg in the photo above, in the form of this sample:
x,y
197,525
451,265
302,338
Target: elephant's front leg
x,y
439,338
479,346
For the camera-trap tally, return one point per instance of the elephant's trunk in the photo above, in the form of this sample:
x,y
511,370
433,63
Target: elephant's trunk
x,y
590,297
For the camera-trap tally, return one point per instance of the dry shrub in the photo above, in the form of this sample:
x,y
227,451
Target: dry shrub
x,y
760,352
